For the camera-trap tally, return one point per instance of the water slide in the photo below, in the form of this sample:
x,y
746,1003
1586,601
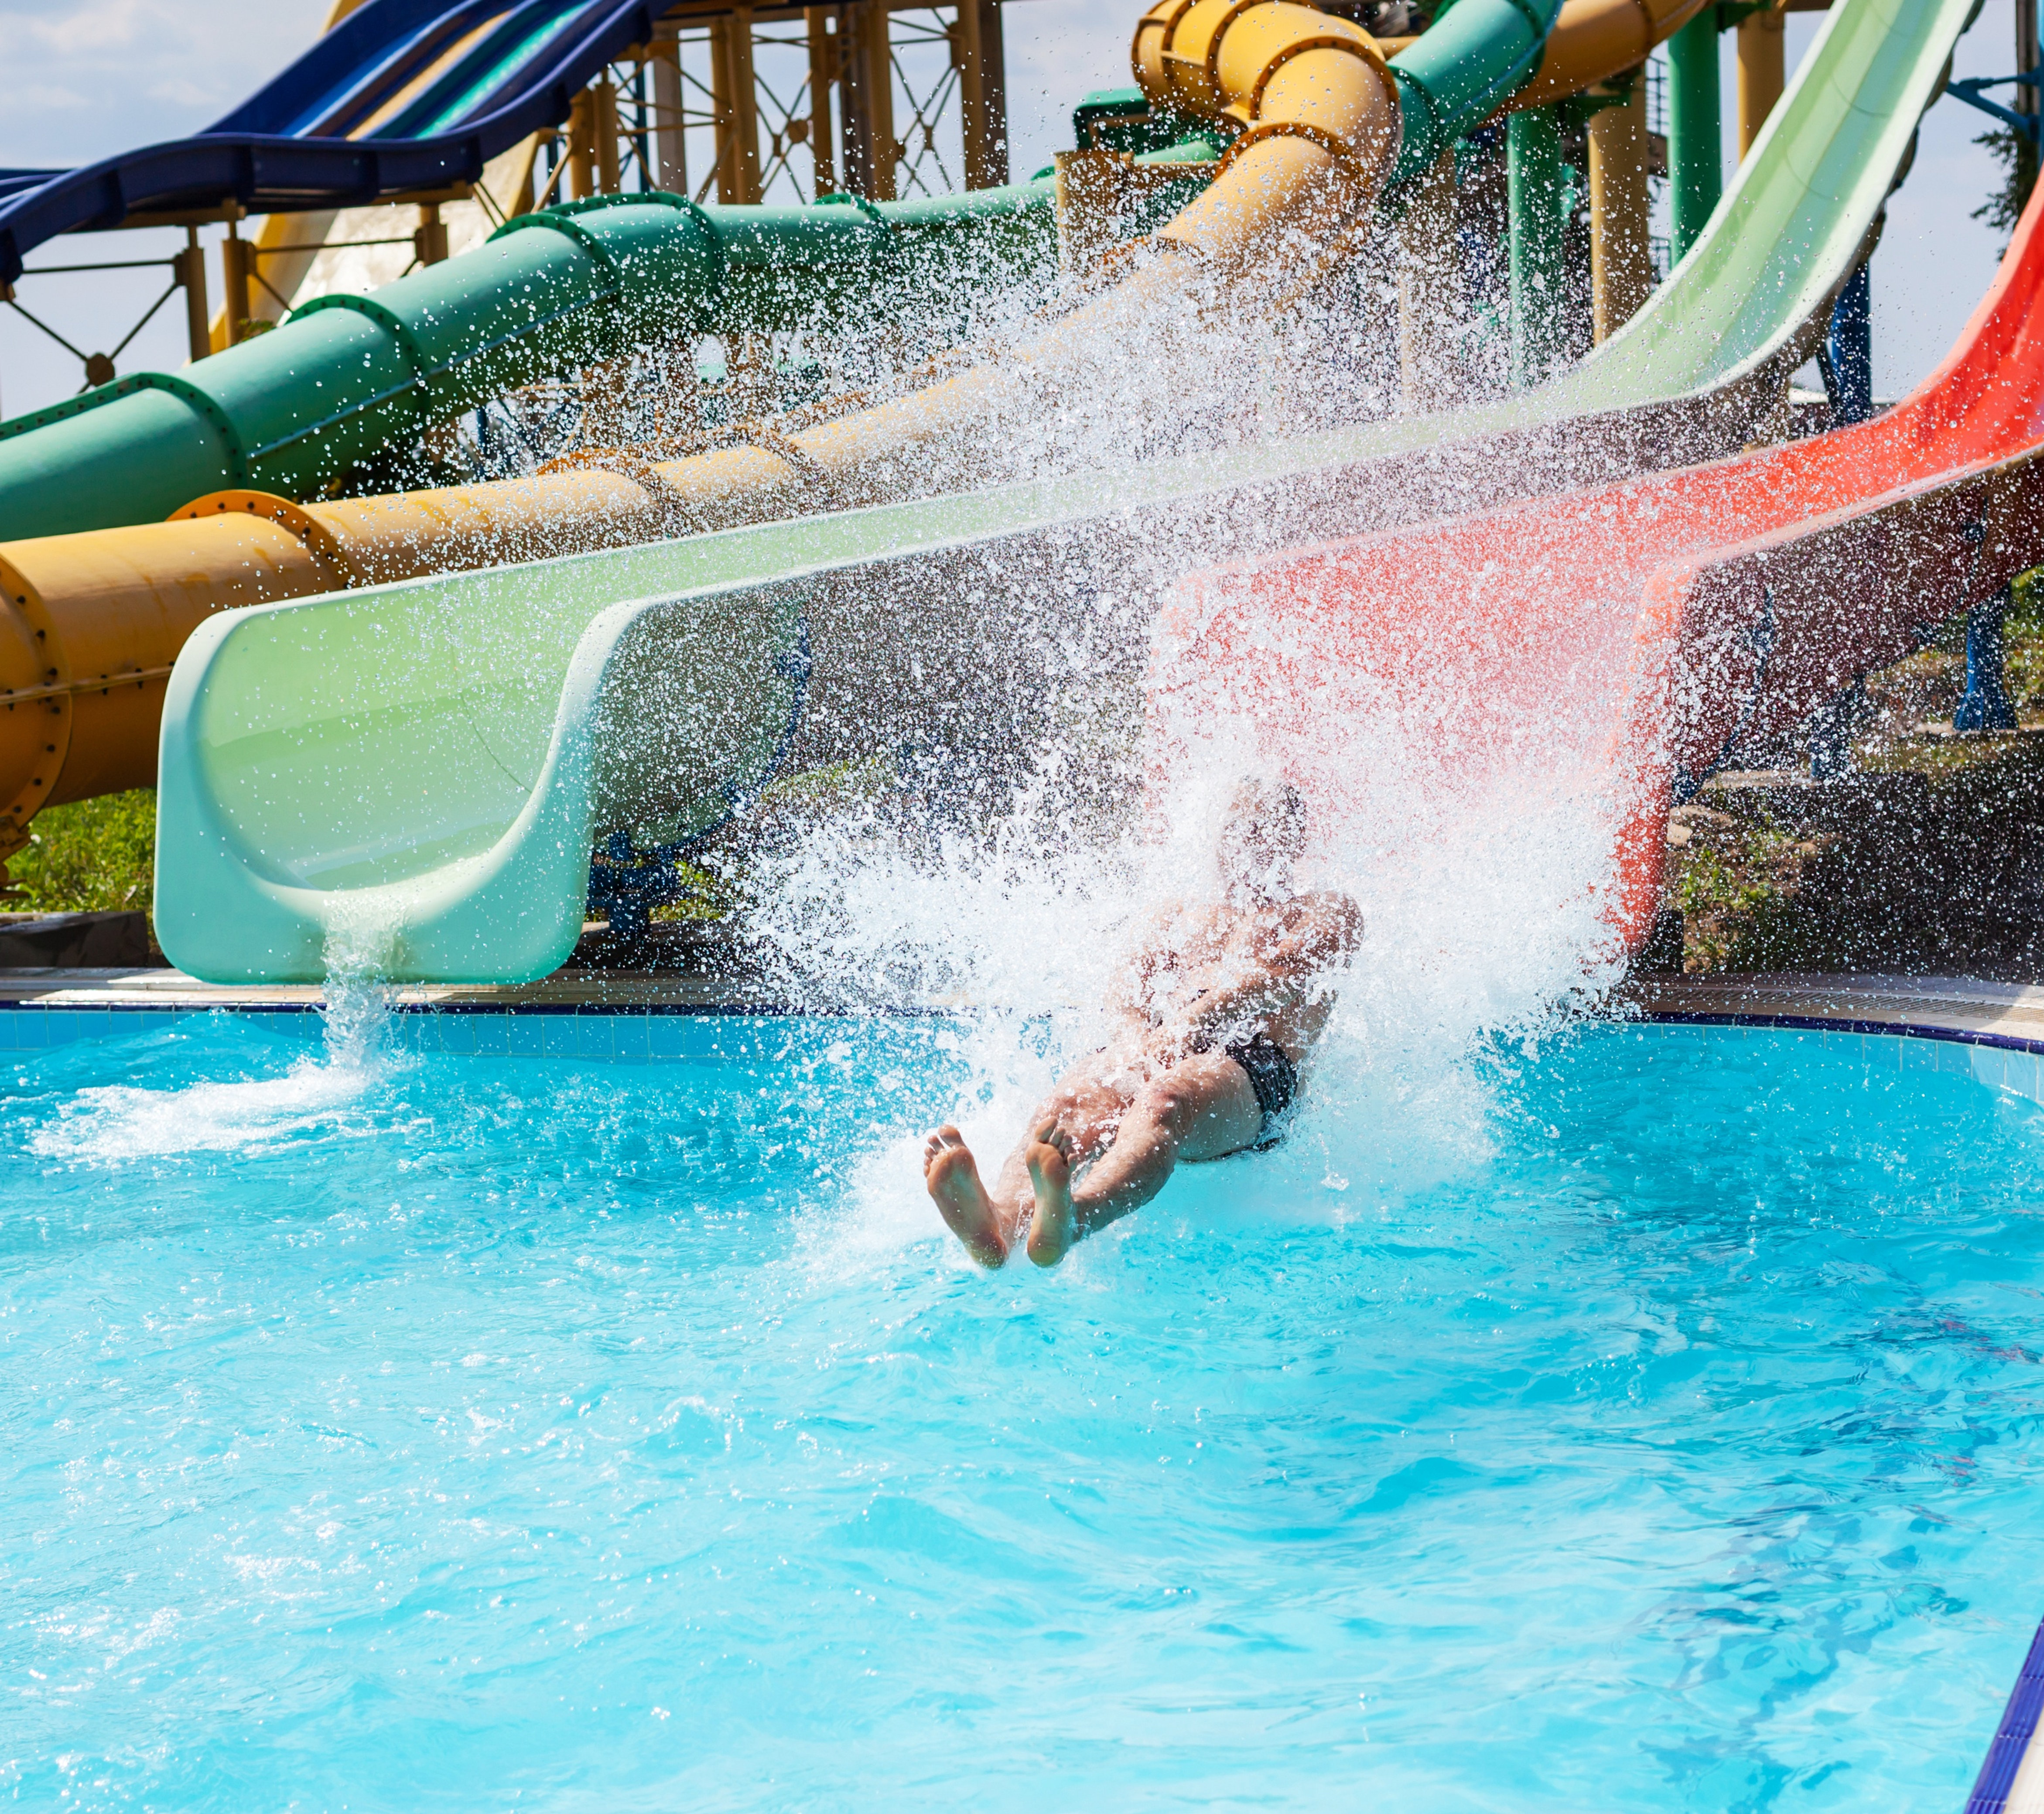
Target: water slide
x,y
295,736
400,97
96,620
1610,649
349,377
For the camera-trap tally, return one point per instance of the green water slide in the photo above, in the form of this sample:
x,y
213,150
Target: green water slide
x,y
347,376
418,772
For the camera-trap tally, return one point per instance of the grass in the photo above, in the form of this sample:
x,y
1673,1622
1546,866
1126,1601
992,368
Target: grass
x,y
91,856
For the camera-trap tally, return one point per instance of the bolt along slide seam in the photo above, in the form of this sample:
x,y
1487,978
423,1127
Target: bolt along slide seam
x,y
1624,642
253,752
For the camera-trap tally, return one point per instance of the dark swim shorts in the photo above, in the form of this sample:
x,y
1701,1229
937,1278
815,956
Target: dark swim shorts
x,y
1273,1077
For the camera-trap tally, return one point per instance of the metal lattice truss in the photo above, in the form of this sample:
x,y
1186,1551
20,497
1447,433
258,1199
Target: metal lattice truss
x,y
787,104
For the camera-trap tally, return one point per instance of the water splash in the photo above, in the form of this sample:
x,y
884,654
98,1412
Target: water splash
x,y
315,1098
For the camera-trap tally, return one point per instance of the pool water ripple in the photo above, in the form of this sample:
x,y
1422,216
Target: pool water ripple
x,y
407,1432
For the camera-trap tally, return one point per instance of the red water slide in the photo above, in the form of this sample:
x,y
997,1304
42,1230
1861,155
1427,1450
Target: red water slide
x,y
1593,657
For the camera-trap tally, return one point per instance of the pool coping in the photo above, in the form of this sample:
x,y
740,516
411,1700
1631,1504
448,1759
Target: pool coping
x,y
1951,1007
1964,1008
1967,1009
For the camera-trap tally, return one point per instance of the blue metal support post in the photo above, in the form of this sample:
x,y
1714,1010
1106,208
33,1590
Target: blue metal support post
x,y
1847,359
1986,705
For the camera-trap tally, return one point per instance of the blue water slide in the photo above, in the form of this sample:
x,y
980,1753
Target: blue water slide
x,y
403,95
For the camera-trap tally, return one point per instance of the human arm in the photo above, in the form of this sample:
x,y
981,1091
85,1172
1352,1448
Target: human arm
x,y
1129,994
1304,940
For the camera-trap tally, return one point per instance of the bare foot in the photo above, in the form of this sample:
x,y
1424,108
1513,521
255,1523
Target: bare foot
x,y
952,1178
1055,1225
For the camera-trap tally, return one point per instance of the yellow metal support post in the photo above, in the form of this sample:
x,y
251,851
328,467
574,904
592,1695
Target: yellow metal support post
x,y
1621,257
737,108
582,147
191,274
235,264
983,92
826,64
669,155
1763,72
870,152
429,239
603,128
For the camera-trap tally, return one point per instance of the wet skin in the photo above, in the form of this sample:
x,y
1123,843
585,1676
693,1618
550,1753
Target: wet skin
x,y
1162,1090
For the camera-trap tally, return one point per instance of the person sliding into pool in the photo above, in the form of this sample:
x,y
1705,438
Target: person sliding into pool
x,y
1218,1005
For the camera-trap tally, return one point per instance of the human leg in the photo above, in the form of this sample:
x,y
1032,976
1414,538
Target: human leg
x,y
1087,1104
1203,1108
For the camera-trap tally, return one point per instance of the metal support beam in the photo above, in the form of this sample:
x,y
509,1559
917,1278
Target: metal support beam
x,y
1695,150
1621,250
737,103
826,66
670,158
190,264
236,262
603,125
2027,56
1762,72
1986,705
982,93
867,95
1533,153
1846,359
581,148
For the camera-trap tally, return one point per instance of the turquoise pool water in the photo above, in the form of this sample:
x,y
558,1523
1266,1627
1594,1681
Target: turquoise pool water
x,y
1649,1423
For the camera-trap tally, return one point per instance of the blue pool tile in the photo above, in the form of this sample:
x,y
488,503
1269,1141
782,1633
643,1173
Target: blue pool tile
x,y
30,1033
557,1037
595,1035
491,1034
527,1034
667,1035
457,1034
2022,1076
627,1034
1989,1065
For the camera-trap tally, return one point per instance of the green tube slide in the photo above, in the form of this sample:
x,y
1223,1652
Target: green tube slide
x,y
421,771
346,376
1476,54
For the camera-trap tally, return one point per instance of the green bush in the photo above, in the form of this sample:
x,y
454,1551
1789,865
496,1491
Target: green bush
x,y
93,855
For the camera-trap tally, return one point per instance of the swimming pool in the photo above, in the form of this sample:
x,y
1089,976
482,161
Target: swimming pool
x,y
1647,1422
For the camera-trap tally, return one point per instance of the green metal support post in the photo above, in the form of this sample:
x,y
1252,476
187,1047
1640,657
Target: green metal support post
x,y
1695,129
1533,154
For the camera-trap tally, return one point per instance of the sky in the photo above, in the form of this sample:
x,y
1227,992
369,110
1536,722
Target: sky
x,y
91,77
